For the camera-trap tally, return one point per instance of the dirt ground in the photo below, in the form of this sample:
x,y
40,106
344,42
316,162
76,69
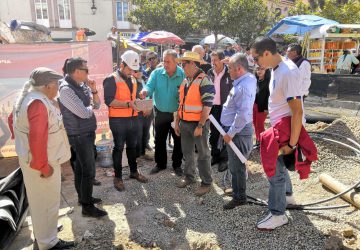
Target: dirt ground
x,y
157,215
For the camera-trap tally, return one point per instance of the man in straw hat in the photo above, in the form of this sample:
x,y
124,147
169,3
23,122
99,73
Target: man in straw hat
x,y
196,98
42,146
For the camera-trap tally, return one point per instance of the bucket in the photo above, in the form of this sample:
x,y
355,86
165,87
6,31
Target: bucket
x,y
104,149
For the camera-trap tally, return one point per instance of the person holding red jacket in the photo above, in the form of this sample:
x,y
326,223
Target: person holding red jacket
x,y
285,100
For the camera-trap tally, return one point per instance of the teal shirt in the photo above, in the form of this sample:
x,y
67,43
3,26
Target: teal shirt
x,y
164,89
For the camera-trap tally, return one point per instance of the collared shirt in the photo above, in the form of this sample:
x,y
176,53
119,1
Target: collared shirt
x,y
238,109
165,89
217,80
72,102
305,72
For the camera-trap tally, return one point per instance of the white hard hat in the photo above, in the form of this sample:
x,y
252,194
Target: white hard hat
x,y
131,58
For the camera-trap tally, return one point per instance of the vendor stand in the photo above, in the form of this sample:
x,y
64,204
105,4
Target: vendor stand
x,y
326,44
324,41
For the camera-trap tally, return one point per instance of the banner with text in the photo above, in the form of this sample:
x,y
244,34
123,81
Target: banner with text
x,y
18,60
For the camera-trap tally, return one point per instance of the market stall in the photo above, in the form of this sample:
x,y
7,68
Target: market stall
x,y
327,43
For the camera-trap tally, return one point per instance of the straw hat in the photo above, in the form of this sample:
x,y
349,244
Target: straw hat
x,y
191,56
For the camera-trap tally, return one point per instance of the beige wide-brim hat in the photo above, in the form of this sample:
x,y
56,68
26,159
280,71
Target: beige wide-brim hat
x,y
191,56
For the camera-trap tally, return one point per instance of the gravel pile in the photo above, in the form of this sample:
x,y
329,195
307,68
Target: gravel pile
x,y
160,215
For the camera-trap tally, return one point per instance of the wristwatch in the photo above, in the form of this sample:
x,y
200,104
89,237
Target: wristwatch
x,y
128,104
200,125
292,147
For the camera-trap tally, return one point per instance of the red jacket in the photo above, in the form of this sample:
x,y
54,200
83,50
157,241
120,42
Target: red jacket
x,y
272,139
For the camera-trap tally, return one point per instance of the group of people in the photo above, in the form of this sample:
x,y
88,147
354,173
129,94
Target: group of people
x,y
183,96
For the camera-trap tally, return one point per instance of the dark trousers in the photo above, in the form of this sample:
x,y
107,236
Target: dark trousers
x,y
216,153
163,122
144,133
84,165
124,130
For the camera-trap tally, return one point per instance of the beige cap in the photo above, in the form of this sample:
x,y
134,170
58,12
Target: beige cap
x,y
42,76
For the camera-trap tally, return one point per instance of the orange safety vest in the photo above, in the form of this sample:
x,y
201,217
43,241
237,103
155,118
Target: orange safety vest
x,y
123,94
190,107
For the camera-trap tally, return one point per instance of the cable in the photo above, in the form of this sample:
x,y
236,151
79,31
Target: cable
x,y
341,143
338,135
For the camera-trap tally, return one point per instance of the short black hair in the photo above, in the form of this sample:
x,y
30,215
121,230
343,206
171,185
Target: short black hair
x,y
73,64
219,53
295,47
247,48
264,43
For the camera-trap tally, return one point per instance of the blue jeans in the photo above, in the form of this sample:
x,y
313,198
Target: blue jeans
x,y
280,187
237,168
84,165
124,130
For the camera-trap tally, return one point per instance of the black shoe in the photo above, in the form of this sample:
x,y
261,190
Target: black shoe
x,y
178,171
93,201
234,203
92,211
222,166
257,145
214,161
96,182
62,244
156,169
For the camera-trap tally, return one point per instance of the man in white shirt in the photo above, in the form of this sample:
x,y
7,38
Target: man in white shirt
x,y
284,100
113,36
294,54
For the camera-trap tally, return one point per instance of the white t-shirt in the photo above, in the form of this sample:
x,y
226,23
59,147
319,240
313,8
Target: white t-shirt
x,y
305,72
113,37
285,84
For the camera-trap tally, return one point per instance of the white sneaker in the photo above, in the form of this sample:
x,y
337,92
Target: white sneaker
x,y
270,222
290,200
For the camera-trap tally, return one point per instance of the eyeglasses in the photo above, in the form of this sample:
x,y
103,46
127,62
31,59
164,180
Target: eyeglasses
x,y
183,64
152,58
256,58
85,69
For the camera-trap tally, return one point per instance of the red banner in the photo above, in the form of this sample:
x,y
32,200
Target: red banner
x,y
18,60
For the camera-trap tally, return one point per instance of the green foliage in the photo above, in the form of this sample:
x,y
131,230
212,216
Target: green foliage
x,y
248,19
162,15
243,19
340,11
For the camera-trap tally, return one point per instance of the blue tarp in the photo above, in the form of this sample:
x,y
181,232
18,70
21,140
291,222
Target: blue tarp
x,y
299,24
136,39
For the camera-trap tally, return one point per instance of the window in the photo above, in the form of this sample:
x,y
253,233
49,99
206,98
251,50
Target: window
x,y
41,10
64,13
122,9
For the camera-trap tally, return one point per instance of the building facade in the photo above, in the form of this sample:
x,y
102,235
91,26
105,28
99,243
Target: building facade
x,y
65,17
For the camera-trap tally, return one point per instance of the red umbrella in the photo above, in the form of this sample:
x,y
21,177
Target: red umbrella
x,y
162,37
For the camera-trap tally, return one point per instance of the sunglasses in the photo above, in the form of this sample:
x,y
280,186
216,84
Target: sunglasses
x,y
85,69
183,64
152,58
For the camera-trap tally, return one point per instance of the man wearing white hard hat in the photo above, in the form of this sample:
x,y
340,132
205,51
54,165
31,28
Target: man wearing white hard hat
x,y
120,92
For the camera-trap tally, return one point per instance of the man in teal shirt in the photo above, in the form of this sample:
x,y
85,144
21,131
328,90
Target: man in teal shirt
x,y
163,86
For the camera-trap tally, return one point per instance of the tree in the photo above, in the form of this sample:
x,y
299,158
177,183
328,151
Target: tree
x,y
248,19
166,15
342,11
